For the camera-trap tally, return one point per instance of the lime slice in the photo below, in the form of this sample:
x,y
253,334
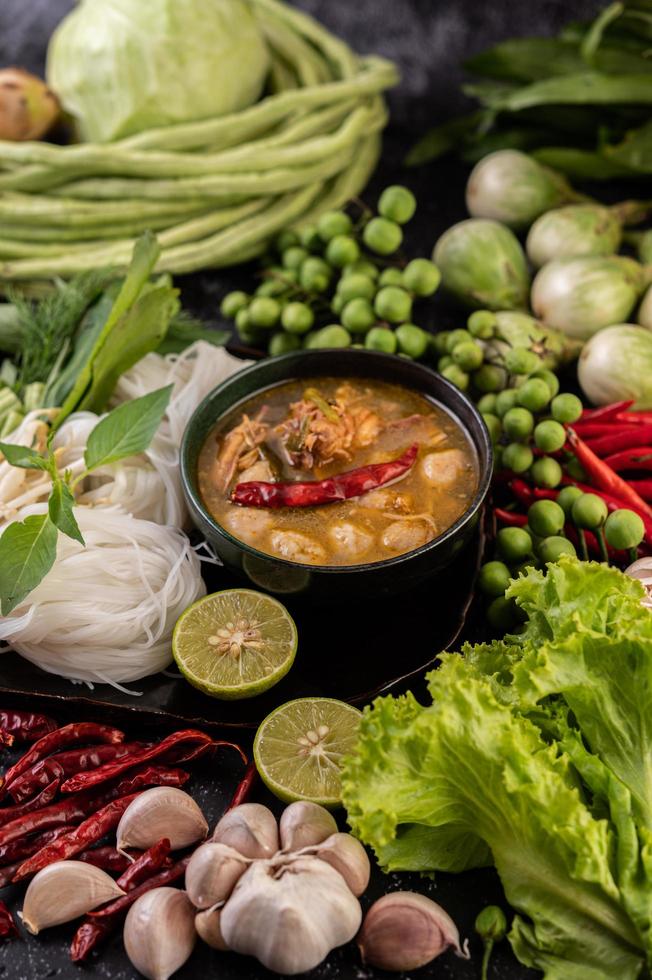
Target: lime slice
x,y
299,749
235,644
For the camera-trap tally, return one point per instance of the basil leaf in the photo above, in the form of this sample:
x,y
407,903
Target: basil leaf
x,y
27,552
60,508
127,430
24,457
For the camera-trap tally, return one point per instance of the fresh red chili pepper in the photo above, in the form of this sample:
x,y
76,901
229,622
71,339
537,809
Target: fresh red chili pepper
x,y
26,726
88,832
74,809
10,813
91,933
244,788
509,518
67,764
595,430
7,925
85,731
605,411
175,748
626,437
120,905
24,847
310,493
631,459
107,858
603,477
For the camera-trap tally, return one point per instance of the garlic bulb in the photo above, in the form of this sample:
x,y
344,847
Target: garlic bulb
x,y
511,187
289,912
163,811
159,933
207,924
347,855
250,829
63,891
577,229
404,930
212,873
304,823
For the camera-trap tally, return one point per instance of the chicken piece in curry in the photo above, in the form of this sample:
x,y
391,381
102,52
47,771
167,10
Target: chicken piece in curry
x,y
312,430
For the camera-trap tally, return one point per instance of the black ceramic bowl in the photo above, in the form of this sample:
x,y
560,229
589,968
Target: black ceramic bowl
x,y
397,574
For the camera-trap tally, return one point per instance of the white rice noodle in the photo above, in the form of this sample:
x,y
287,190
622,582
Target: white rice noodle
x,y
105,613
194,373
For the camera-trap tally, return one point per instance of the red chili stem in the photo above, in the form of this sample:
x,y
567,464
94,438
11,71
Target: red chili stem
x,y
75,809
92,933
8,927
605,411
245,787
623,438
603,477
26,726
88,832
311,493
67,764
509,518
85,731
174,748
631,459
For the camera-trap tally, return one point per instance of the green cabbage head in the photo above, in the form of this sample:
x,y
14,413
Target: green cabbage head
x,y
120,66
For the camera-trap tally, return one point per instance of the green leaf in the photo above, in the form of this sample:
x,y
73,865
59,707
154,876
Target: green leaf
x,y
24,457
587,88
127,430
442,139
60,509
27,552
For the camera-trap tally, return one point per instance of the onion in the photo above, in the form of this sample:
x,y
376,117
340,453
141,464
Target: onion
x,y
581,296
511,187
577,229
616,365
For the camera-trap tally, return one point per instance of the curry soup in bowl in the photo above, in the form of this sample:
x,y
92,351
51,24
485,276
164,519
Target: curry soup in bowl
x,y
336,473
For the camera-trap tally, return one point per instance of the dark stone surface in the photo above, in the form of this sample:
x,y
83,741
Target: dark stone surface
x,y
428,39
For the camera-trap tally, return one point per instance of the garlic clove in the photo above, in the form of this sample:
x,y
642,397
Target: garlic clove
x,y
347,855
404,930
159,933
212,873
207,924
251,829
289,913
303,824
163,811
63,891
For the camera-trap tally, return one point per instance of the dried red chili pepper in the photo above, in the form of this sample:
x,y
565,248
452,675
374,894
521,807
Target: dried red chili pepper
x,y
75,809
509,518
244,788
7,924
172,747
120,905
10,813
310,493
80,732
604,478
88,832
107,858
91,933
67,764
26,726
23,847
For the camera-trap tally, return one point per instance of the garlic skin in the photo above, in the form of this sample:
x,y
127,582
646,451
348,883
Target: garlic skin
x,y
641,570
63,891
212,873
159,933
163,811
289,913
251,829
303,824
207,924
405,930
347,855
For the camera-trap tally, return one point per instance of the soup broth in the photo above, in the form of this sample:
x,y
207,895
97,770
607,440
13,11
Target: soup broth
x,y
317,428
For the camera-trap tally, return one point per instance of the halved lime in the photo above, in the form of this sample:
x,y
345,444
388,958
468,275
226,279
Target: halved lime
x,y
235,644
299,749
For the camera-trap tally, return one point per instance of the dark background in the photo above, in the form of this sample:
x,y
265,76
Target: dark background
x,y
428,39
